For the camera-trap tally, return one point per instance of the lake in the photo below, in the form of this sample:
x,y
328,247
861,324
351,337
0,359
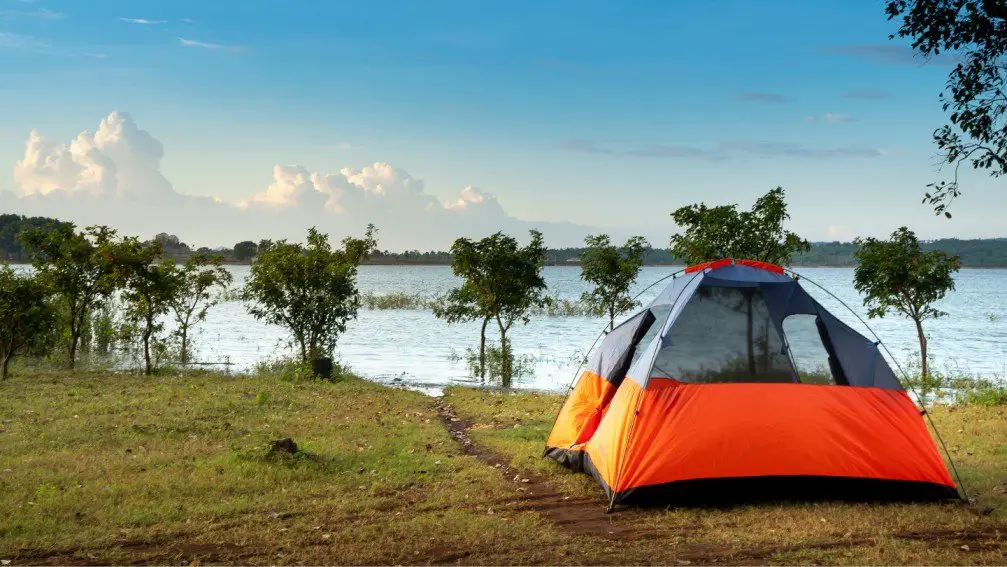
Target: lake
x,y
413,348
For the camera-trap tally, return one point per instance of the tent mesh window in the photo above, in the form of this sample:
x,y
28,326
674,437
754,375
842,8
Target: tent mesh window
x,y
724,334
807,350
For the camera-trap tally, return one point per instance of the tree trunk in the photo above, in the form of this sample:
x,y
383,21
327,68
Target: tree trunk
x,y
6,360
185,344
924,373
505,361
482,349
74,337
146,346
611,317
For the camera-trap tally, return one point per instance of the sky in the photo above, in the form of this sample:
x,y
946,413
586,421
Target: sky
x,y
224,121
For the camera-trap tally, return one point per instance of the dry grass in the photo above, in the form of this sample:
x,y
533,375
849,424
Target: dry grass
x,y
99,468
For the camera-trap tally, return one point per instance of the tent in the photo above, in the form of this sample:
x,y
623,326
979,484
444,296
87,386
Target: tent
x,y
736,385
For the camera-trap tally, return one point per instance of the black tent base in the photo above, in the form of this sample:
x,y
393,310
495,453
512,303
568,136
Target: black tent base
x,y
736,491
763,489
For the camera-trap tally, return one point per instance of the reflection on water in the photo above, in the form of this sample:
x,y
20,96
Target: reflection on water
x,y
414,348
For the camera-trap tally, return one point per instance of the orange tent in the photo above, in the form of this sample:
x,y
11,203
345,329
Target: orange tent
x,y
734,385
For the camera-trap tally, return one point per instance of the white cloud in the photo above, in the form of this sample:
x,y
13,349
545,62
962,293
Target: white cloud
x,y
18,41
143,21
113,177
118,159
206,45
474,201
41,14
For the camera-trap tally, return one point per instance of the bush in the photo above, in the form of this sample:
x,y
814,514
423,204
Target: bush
x,y
291,370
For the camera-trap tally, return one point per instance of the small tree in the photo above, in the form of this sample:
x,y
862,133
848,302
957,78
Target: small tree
x,y
502,282
245,250
25,313
612,271
151,288
718,232
80,268
311,290
197,279
896,276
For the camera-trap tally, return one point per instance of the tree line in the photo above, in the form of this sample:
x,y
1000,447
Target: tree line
x,y
310,289
987,252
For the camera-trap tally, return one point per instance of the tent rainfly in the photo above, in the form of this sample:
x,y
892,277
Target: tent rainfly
x,y
736,385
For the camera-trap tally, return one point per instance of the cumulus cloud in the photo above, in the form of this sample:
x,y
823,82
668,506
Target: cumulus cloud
x,y
114,177
118,158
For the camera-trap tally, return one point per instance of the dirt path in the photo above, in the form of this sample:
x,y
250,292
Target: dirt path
x,y
577,515
587,517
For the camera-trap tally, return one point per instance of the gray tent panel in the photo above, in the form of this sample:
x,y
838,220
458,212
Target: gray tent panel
x,y
860,358
611,360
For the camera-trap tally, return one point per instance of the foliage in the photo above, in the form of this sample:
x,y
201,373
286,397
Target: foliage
x,y
311,290
612,271
151,287
897,276
718,232
293,370
11,226
396,300
246,250
196,279
495,360
502,282
974,31
80,267
26,313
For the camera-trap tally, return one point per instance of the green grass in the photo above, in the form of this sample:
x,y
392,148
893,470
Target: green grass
x,y
516,424
118,468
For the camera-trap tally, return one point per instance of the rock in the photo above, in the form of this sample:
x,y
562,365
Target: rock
x,y
285,446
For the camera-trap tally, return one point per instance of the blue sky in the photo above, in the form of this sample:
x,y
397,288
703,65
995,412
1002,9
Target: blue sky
x,y
603,114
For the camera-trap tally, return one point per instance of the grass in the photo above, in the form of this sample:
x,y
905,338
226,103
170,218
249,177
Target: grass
x,y
118,468
105,468
516,424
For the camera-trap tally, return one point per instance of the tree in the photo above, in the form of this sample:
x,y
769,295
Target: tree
x,y
718,232
976,30
502,282
311,290
79,266
245,250
197,279
151,286
612,271
896,276
26,315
